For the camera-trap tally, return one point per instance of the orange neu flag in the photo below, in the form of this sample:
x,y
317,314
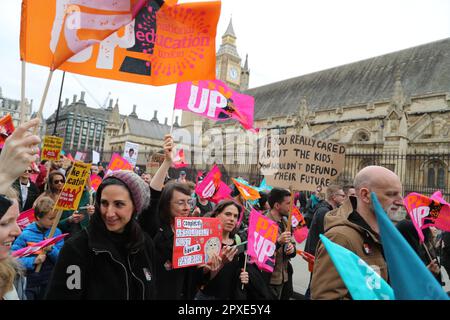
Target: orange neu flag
x,y
128,40
248,193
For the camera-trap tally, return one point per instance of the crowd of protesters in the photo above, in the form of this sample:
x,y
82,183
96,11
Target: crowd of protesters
x,y
121,236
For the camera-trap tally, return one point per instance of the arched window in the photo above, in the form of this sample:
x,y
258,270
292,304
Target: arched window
x,y
441,178
431,178
435,174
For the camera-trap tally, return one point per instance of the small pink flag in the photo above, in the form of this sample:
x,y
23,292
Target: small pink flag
x,y
37,246
262,237
213,99
212,187
426,212
95,181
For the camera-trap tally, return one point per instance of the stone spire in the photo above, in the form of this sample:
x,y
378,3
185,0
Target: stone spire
x,y
398,98
134,114
230,30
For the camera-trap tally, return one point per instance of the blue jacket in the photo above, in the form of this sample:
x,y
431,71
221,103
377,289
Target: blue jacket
x,y
33,234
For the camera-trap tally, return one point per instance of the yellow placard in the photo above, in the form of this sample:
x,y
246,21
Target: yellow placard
x,y
70,196
52,148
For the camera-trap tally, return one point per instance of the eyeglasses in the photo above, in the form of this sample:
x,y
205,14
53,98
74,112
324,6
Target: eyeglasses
x,y
58,181
181,203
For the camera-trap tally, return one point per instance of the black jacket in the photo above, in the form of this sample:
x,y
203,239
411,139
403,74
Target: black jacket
x,y
317,226
106,269
33,193
173,284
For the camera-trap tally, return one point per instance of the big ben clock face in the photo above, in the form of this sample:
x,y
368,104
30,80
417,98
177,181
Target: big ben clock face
x,y
233,73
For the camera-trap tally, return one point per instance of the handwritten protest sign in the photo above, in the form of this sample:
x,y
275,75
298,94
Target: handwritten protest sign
x,y
118,163
426,212
262,237
25,218
52,148
73,188
195,240
300,162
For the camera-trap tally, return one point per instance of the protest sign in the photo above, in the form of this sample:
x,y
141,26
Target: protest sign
x,y
262,237
300,162
6,128
80,156
131,153
95,157
25,218
213,99
195,240
72,191
118,163
52,148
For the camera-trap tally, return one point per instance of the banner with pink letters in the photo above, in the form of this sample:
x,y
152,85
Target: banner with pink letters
x,y
262,237
213,99
428,212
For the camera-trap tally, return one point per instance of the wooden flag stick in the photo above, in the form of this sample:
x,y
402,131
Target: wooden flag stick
x,y
22,94
44,97
55,222
245,267
171,123
290,210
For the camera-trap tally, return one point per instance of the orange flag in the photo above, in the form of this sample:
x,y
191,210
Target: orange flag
x,y
128,40
248,193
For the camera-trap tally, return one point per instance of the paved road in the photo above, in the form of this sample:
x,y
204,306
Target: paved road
x,y
301,274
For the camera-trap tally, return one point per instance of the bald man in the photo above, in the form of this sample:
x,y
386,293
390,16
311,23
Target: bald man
x,y
354,226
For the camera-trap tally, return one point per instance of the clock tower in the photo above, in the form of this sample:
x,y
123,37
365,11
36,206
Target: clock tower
x,y
228,70
228,61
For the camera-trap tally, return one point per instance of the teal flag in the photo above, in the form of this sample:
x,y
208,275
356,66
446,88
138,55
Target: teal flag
x,y
408,275
361,280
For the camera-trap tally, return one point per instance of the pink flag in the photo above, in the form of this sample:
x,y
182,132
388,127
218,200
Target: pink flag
x,y
95,181
426,212
37,246
118,163
262,237
179,161
215,100
212,187
25,218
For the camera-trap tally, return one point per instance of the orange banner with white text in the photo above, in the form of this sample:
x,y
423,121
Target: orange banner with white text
x,y
129,40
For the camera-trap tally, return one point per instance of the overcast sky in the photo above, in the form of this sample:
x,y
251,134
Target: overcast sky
x,y
283,39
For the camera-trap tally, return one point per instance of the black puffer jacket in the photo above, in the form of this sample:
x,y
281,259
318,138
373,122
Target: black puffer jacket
x,y
317,226
106,265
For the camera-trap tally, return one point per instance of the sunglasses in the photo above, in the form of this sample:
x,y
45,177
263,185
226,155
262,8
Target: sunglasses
x,y
28,171
58,181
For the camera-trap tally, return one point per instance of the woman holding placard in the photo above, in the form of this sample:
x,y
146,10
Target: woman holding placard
x,y
227,282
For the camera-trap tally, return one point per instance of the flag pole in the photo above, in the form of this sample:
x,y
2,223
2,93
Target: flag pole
x,y
59,103
22,94
44,96
290,209
56,221
171,123
245,267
